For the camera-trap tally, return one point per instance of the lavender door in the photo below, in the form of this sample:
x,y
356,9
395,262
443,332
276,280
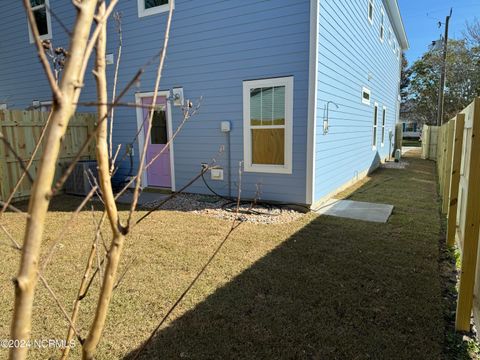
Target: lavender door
x,y
159,173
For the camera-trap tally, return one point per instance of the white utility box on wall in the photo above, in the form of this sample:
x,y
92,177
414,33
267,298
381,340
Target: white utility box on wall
x,y
217,174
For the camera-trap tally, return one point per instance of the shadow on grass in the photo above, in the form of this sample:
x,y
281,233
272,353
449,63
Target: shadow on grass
x,y
337,289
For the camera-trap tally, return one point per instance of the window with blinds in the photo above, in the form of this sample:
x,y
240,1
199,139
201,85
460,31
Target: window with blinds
x,y
268,123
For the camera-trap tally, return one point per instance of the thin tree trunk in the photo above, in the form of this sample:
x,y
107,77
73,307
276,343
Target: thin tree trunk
x,y
63,109
81,290
113,257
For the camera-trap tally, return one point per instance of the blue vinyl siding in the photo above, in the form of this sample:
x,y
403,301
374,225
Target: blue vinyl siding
x,y
215,46
351,56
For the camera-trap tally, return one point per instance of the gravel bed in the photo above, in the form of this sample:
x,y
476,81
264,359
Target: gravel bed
x,y
214,207
395,165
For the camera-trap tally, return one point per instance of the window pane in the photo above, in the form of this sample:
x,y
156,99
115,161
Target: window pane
x,y
267,106
159,128
153,3
41,20
256,106
279,105
375,117
37,2
366,96
268,146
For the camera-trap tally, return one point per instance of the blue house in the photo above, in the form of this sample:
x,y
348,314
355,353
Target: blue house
x,y
304,94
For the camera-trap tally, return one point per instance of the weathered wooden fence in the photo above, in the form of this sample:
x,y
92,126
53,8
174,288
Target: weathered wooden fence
x,y
458,165
22,130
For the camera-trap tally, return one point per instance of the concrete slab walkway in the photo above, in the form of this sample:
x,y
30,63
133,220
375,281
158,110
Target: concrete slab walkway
x,y
357,210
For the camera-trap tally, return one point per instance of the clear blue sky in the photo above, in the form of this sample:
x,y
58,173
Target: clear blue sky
x,y
421,21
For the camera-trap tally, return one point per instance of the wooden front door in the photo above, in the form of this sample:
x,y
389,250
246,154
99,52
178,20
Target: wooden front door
x,y
159,172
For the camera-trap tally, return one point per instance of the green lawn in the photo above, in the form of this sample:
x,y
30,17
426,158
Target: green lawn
x,y
317,288
411,142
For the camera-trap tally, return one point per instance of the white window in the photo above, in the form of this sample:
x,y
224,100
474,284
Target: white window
x,y
375,126
382,25
384,120
151,7
366,96
46,106
371,9
41,12
390,37
268,125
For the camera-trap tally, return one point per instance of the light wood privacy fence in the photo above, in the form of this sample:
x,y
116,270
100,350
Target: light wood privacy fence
x,y
22,129
458,165
429,142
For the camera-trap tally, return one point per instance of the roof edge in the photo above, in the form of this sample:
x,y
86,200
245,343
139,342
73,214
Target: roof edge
x,y
397,22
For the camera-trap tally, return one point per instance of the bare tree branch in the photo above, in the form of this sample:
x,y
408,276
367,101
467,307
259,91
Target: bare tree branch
x,y
118,19
57,94
59,304
14,242
65,229
98,324
63,108
81,291
234,226
27,167
19,159
12,208
136,193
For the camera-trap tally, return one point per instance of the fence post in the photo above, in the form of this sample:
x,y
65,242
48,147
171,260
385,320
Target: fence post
x,y
425,142
472,216
448,164
455,179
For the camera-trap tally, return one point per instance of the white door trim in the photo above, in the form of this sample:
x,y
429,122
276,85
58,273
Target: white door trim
x,y
141,135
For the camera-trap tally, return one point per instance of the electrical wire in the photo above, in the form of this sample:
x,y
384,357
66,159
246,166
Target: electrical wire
x,y
230,203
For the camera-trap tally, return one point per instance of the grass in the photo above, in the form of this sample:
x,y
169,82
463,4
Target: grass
x,y
317,288
412,142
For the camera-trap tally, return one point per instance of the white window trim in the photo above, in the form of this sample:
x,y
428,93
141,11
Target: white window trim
x,y
370,3
365,101
142,12
37,105
247,135
382,25
48,35
375,126
384,123
141,134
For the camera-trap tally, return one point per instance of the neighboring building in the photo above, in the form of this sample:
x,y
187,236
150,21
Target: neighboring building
x,y
411,130
310,88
